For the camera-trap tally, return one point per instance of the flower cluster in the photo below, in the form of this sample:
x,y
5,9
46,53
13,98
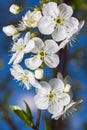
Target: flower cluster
x,y
48,30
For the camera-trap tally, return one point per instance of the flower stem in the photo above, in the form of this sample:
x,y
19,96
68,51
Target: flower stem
x,y
28,7
38,119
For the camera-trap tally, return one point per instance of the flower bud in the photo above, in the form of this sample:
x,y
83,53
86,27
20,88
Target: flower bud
x,y
10,30
67,88
39,73
15,9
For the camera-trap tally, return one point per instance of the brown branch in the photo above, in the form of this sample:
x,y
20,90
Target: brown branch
x,y
61,1
36,127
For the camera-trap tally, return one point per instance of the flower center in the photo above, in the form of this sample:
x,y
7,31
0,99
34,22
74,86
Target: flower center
x,y
41,53
51,96
24,78
59,20
30,22
21,48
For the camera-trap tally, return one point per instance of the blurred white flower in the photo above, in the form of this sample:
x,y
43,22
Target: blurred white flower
x,y
57,20
21,47
67,82
51,96
25,76
39,73
43,53
15,9
66,79
31,19
10,30
68,110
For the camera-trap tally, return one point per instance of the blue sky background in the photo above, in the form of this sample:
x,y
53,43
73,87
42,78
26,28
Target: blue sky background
x,y
77,68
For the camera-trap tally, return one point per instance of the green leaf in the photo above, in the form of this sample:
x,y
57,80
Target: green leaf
x,y
22,114
19,112
28,111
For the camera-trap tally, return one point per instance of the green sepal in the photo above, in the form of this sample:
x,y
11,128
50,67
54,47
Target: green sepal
x,y
28,112
23,115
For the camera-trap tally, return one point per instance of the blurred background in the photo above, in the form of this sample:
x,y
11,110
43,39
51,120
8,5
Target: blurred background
x,y
75,65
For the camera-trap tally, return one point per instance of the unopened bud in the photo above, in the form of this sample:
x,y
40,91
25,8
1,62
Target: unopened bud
x,y
39,73
67,88
15,9
10,30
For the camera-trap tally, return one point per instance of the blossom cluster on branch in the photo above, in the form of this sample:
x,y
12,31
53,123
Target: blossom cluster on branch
x,y
37,39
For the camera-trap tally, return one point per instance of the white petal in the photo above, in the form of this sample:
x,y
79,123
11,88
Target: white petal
x,y
38,44
20,42
57,85
65,98
51,9
64,43
70,105
59,34
71,24
12,58
46,25
65,11
15,74
59,76
27,38
15,37
18,58
33,63
32,79
27,84
51,47
37,84
18,68
67,80
51,60
55,107
45,88
41,102
57,115
29,46
81,24
74,21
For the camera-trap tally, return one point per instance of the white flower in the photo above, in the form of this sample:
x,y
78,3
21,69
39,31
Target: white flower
x,y
51,96
31,18
21,47
71,35
68,110
10,30
44,53
25,76
21,26
57,20
39,73
15,9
